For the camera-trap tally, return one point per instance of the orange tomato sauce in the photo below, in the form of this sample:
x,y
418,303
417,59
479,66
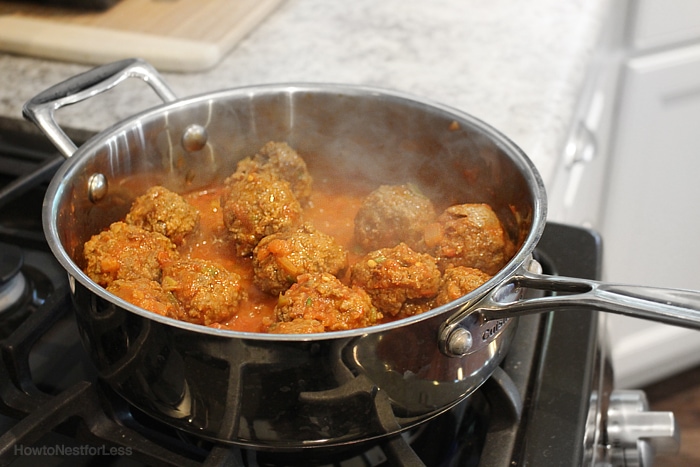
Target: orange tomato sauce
x,y
332,214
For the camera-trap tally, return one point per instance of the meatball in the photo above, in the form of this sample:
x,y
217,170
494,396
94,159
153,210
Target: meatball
x,y
469,235
392,214
396,277
208,292
127,252
148,295
163,211
322,297
279,258
459,281
296,326
417,306
256,206
281,160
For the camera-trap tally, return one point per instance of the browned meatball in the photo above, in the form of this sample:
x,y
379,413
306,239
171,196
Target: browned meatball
x,y
459,281
281,160
257,206
469,235
392,214
279,258
395,277
148,295
322,297
417,306
163,211
455,282
127,252
296,326
208,292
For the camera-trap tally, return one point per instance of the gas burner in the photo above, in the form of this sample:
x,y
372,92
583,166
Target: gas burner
x,y
13,285
27,278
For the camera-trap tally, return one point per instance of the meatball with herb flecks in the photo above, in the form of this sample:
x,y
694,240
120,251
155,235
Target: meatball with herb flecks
x,y
279,258
280,159
256,206
208,292
454,283
469,235
127,252
396,277
148,295
459,281
163,211
392,214
296,326
322,297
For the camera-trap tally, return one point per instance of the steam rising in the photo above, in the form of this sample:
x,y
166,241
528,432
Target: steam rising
x,y
380,138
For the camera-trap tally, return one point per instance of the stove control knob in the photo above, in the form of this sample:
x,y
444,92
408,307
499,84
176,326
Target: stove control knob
x,y
636,435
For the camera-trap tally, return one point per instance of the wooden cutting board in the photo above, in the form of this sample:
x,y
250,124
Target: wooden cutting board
x,y
173,35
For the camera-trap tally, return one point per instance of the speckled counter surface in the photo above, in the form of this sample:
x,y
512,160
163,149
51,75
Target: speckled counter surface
x,y
519,66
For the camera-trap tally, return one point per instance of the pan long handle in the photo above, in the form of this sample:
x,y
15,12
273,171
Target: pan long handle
x,y
669,306
41,108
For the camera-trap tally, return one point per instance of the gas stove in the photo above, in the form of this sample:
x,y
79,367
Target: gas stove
x,y
549,403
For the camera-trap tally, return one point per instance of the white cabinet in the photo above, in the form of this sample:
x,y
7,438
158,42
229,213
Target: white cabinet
x,y
651,219
659,23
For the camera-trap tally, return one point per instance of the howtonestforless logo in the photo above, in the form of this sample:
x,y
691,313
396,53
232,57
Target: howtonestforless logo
x,y
63,450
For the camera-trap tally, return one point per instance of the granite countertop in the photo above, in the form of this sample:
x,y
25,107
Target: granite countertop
x,y
519,66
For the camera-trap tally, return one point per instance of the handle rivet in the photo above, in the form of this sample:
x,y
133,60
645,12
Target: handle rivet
x,y
97,187
460,342
194,138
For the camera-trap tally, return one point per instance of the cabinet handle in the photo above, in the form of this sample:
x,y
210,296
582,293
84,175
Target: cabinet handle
x,y
581,148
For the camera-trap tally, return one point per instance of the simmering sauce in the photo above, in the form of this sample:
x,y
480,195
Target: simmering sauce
x,y
330,212
352,251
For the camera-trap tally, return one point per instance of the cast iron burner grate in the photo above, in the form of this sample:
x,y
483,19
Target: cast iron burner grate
x,y
84,412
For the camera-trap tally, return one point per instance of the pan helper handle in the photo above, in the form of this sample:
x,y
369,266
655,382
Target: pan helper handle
x,y
41,108
677,307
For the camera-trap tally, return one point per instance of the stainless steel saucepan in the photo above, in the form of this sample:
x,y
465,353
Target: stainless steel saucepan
x,y
304,391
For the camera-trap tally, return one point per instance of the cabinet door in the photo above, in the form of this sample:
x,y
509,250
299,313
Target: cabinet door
x,y
659,23
651,222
